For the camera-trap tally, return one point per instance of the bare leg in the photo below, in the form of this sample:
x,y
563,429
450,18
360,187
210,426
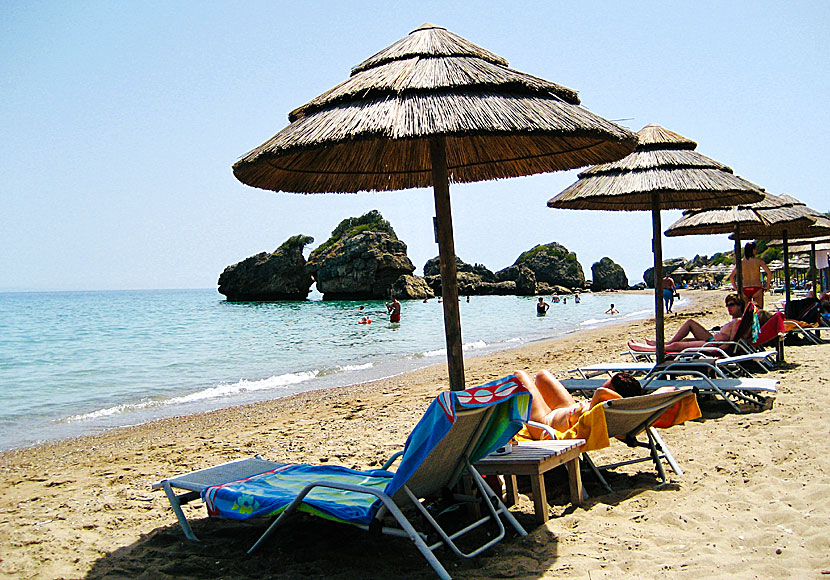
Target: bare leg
x,y
670,346
692,327
759,298
549,396
554,392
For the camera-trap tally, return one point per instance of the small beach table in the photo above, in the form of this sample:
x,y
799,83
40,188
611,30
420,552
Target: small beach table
x,y
534,459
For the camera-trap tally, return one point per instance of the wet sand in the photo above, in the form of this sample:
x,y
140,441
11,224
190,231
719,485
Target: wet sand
x,y
751,503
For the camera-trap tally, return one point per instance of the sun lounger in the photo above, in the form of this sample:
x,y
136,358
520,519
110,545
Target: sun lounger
x,y
458,429
699,359
733,390
627,418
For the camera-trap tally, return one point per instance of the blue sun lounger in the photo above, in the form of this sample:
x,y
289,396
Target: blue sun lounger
x,y
458,429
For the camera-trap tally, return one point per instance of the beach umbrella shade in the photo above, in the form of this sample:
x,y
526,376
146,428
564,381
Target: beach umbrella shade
x,y
430,109
772,214
816,225
664,172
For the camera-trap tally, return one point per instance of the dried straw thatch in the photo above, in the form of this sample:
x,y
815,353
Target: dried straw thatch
x,y
812,224
800,246
771,214
665,163
372,131
663,172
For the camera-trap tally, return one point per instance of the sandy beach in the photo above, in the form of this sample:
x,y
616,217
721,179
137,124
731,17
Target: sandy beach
x,y
751,504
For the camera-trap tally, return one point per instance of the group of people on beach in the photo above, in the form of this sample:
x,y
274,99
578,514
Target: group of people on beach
x,y
554,406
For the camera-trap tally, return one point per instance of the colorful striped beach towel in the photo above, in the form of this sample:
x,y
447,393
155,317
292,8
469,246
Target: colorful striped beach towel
x,y
269,493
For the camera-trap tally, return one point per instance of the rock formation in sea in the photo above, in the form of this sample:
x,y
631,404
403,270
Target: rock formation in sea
x,y
473,280
608,275
361,260
281,275
409,287
669,266
551,264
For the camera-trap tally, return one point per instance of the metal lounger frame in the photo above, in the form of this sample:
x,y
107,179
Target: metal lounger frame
x,y
431,478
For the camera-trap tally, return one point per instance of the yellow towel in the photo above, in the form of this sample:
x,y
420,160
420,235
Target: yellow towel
x,y
591,427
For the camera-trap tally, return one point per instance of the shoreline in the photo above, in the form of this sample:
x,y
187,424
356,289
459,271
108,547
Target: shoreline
x,y
251,390
82,507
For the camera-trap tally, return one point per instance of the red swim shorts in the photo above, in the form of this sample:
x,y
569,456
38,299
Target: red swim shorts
x,y
750,291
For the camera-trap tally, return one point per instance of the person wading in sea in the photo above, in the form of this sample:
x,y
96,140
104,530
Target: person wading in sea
x,y
394,310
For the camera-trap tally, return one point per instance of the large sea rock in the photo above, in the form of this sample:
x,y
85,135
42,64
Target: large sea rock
x,y
281,275
473,280
361,260
433,268
409,287
608,275
550,263
669,266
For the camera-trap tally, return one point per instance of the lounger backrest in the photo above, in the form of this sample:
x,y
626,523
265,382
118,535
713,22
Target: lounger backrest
x,y
633,414
805,309
745,325
445,463
459,426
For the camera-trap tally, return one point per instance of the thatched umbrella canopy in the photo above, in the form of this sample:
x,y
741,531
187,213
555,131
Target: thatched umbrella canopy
x,y
772,214
664,172
815,225
802,246
431,109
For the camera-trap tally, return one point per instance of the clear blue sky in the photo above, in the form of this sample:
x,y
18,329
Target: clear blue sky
x,y
121,120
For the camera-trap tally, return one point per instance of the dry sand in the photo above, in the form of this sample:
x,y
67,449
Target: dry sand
x,y
753,502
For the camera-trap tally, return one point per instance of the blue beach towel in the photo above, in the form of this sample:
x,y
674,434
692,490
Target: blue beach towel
x,y
269,493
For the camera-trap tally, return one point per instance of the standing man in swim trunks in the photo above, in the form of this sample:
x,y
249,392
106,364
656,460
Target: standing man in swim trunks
x,y
668,292
394,310
751,268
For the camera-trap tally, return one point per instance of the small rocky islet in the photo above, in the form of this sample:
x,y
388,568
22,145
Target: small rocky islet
x,y
363,259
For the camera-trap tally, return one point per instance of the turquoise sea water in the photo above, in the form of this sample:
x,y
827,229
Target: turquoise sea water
x,y
74,363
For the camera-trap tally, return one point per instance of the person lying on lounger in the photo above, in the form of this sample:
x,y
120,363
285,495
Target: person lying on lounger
x,y
692,334
553,405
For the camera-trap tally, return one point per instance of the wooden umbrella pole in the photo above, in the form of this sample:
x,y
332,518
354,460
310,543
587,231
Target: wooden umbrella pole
x,y
446,253
813,277
739,271
786,274
657,248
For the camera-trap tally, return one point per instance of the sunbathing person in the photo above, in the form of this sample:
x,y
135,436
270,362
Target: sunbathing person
x,y
692,334
553,405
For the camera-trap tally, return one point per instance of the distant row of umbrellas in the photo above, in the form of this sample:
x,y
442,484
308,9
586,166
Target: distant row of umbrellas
x,y
434,108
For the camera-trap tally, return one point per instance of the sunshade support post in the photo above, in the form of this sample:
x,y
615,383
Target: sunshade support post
x,y
446,253
739,270
786,273
813,278
657,249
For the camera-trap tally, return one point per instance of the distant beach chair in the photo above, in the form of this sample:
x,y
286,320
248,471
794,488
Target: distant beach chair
x,y
458,429
733,390
732,357
627,418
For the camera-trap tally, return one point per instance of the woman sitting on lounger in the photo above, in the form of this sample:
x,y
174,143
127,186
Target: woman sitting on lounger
x,y
699,335
553,405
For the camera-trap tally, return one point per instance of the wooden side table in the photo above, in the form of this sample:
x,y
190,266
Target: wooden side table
x,y
534,459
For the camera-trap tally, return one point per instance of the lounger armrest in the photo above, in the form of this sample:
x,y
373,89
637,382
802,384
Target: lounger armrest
x,y
546,428
391,460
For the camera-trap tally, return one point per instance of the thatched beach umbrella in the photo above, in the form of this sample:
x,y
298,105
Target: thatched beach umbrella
x,y
815,225
771,214
664,172
431,109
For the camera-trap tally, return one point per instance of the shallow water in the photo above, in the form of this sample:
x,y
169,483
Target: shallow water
x,y
74,363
